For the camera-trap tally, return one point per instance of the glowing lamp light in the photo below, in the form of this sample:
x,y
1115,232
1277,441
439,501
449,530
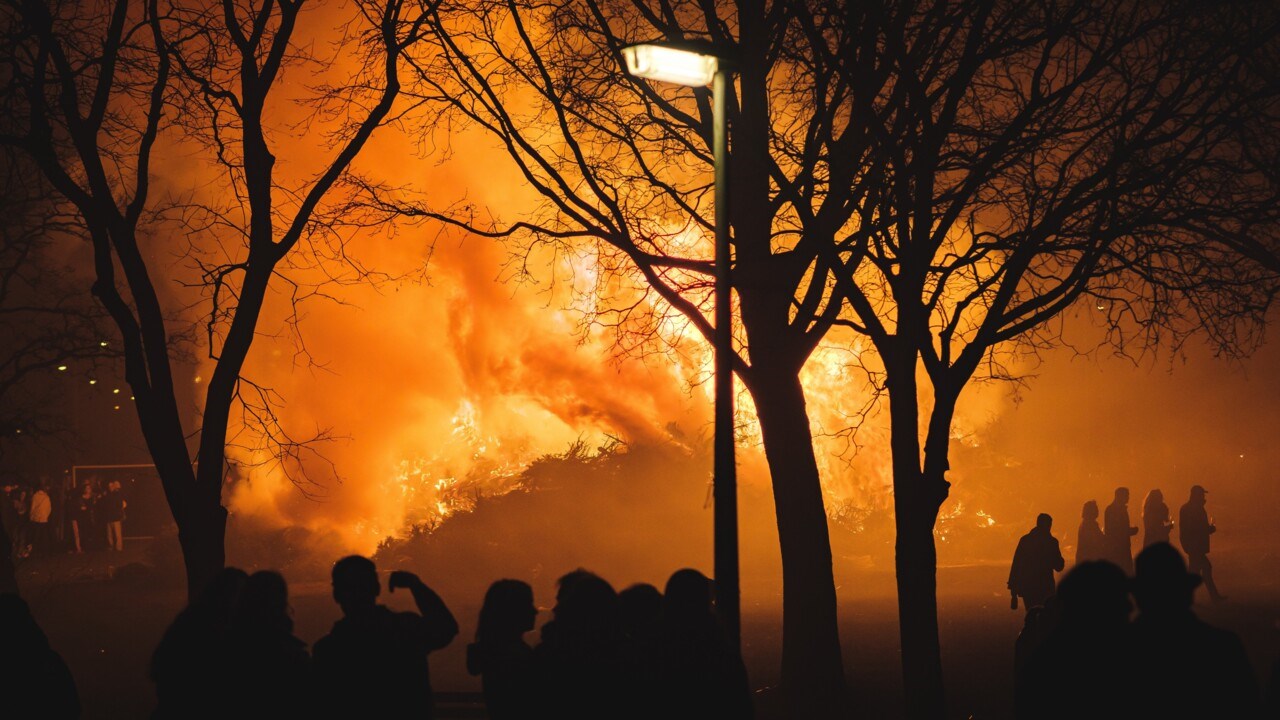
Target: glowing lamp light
x,y
93,382
115,391
62,368
102,344
670,64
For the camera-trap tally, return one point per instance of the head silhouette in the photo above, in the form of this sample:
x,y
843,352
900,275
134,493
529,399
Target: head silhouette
x,y
508,612
640,607
1090,511
355,583
1094,596
1044,522
264,603
222,593
1161,583
1122,495
586,607
1198,494
688,596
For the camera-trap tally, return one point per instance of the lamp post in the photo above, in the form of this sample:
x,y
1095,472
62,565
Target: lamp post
x,y
696,64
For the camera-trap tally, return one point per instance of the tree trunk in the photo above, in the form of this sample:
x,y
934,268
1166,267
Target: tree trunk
x,y
812,668
916,500
202,536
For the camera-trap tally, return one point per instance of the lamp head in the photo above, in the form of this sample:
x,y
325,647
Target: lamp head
x,y
684,63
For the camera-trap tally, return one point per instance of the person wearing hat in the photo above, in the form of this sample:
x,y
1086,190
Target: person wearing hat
x,y
1195,529
1185,667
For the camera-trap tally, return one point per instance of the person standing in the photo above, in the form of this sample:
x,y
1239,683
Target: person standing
x,y
38,521
1118,531
1091,544
113,505
1156,525
1194,532
373,663
81,513
1034,562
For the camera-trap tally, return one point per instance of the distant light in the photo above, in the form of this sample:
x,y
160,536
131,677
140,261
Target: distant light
x,y
93,382
130,397
198,379
19,431
102,344
117,407
115,391
668,64
62,368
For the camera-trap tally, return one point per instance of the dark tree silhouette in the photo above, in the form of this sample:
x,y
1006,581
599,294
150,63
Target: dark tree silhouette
x,y
92,88
946,179
1036,158
625,165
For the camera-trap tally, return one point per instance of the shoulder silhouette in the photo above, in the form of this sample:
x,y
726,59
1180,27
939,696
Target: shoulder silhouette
x,y
703,675
1081,669
640,617
264,668
579,669
500,655
373,663
34,680
1185,667
185,665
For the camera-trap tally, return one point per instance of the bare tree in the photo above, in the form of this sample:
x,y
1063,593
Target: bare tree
x,y
92,87
625,165
1035,157
944,178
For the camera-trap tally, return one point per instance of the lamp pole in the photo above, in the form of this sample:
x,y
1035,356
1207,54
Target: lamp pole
x,y
695,64
725,471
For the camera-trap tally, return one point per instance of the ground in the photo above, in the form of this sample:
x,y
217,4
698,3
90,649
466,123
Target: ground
x,y
105,612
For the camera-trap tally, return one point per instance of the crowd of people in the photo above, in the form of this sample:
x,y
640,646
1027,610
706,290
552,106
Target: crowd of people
x,y
636,653
46,518
1079,653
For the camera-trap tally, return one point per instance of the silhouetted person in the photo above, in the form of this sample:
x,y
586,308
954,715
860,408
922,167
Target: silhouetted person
x,y
80,513
185,665
1037,627
111,508
1034,562
263,667
1118,531
1156,524
34,681
703,676
373,663
579,669
640,617
1185,668
1091,544
500,655
39,533
1194,531
1082,668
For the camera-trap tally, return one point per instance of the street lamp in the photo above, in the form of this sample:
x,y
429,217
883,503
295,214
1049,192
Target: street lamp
x,y
697,64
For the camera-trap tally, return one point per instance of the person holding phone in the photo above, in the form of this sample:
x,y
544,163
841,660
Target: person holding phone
x,y
373,663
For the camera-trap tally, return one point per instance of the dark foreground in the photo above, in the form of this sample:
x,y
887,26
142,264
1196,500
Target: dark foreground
x,y
105,613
